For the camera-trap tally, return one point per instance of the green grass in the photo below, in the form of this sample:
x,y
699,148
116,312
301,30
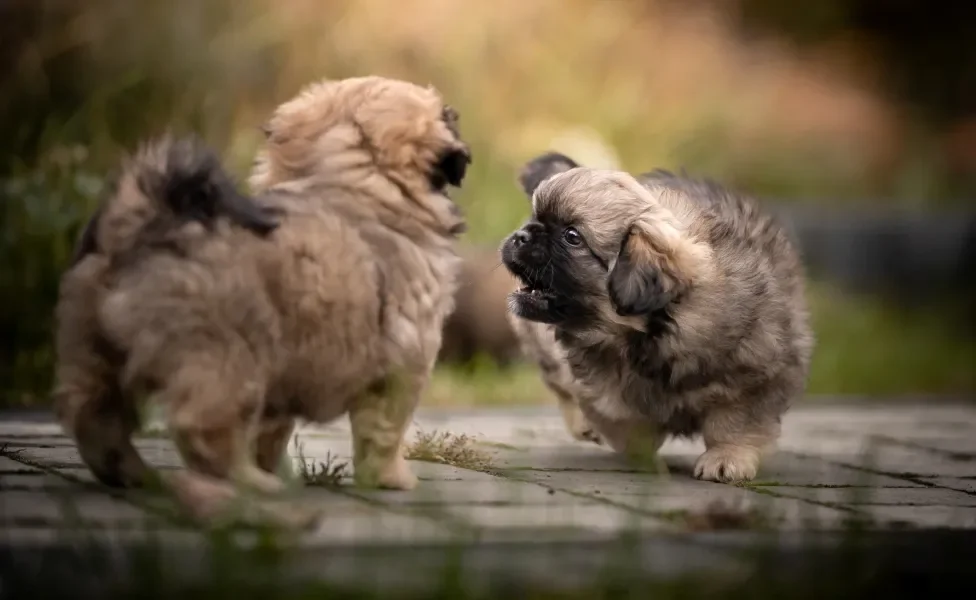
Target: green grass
x,y
327,473
485,384
867,347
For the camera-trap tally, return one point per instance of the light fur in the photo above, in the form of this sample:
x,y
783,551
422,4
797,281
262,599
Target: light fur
x,y
337,311
681,313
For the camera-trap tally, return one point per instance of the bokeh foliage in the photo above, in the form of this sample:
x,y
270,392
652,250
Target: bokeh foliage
x,y
634,83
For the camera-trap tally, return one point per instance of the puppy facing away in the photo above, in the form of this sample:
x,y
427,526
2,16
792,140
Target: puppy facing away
x,y
479,324
322,296
663,306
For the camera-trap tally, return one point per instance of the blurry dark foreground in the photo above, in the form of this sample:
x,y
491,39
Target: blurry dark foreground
x,y
921,564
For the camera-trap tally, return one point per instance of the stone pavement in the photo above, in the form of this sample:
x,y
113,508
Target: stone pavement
x,y
885,466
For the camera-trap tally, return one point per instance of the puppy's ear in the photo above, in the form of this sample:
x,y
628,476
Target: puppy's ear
x,y
453,165
657,264
541,168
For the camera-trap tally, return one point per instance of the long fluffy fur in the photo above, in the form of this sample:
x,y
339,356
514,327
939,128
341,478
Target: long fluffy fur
x,y
683,312
337,309
168,183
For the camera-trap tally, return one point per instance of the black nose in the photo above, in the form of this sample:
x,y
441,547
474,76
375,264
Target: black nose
x,y
526,234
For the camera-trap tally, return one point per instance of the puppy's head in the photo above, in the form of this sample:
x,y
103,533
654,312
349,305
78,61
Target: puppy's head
x,y
600,248
350,129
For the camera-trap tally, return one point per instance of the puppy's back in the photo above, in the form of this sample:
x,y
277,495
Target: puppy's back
x,y
168,183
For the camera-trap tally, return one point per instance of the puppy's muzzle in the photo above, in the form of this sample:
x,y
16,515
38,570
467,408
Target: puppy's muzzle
x,y
521,238
526,247
524,256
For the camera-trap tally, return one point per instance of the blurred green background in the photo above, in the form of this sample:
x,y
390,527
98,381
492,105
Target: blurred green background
x,y
815,105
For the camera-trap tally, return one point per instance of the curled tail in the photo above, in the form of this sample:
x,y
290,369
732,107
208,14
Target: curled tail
x,y
167,183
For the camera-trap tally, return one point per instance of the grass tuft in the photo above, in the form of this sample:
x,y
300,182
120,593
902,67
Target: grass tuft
x,y
449,449
327,473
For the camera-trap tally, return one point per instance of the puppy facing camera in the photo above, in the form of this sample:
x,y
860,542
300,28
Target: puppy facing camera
x,y
660,306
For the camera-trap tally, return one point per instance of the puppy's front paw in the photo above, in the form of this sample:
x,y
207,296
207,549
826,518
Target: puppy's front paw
x,y
577,424
727,463
590,435
395,474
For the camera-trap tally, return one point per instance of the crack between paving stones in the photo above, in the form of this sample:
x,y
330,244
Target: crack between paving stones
x,y
656,515
824,503
820,486
52,469
101,489
950,454
907,476
569,470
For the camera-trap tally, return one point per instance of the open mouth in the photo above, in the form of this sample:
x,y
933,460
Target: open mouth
x,y
535,293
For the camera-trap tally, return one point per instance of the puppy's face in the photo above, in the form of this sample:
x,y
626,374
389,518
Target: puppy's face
x,y
406,131
599,247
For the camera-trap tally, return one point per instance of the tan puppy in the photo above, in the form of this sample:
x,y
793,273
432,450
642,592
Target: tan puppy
x,y
336,308
672,306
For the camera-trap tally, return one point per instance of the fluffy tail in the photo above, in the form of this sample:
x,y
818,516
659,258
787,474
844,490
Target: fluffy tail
x,y
168,183
543,167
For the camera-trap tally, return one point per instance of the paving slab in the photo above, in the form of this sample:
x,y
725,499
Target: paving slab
x,y
541,487
967,485
926,516
879,496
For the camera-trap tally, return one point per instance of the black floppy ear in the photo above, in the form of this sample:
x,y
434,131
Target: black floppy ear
x,y
453,165
637,283
541,168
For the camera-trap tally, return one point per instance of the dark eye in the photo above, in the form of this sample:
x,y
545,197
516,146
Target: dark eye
x,y
572,237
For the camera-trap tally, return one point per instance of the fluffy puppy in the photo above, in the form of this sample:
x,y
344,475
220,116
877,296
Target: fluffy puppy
x,y
323,296
479,325
671,306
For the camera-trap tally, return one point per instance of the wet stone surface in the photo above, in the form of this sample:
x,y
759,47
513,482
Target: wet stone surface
x,y
884,465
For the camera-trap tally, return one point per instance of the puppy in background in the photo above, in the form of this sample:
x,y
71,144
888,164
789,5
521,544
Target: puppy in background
x,y
479,324
324,295
669,306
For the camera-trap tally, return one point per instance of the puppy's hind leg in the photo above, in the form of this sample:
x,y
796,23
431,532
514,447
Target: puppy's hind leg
x,y
271,443
379,420
93,411
578,425
213,410
88,401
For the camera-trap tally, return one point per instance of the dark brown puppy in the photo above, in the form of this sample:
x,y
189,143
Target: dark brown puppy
x,y
675,307
479,325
